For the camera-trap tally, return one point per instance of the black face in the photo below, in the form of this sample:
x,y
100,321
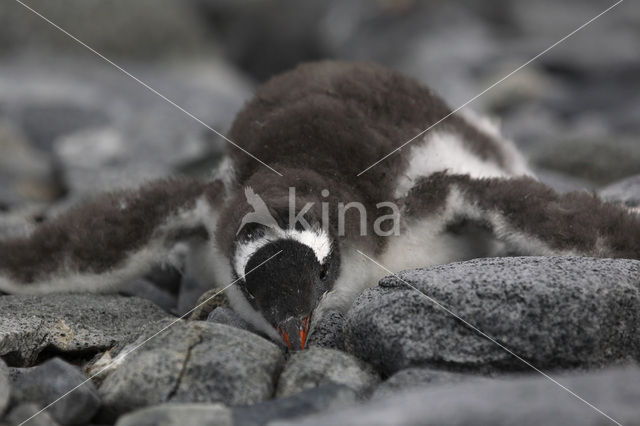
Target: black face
x,y
287,288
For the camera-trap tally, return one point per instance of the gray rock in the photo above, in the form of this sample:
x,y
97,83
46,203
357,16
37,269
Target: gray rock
x,y
68,323
524,401
105,131
26,173
16,224
207,302
47,382
327,330
626,191
227,316
562,183
183,31
172,414
248,30
146,289
599,160
44,122
5,389
189,361
551,311
22,412
322,398
314,366
532,18
418,377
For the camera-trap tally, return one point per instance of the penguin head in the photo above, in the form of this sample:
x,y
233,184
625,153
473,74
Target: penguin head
x,y
284,278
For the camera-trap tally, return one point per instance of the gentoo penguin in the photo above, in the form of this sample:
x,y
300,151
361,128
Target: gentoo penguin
x,y
294,242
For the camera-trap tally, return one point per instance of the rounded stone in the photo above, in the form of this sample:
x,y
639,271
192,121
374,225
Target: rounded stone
x,y
47,382
315,366
551,311
189,361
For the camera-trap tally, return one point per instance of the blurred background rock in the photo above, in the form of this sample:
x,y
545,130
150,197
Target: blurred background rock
x,y
71,125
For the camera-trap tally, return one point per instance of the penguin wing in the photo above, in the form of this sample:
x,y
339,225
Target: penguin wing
x,y
456,217
110,240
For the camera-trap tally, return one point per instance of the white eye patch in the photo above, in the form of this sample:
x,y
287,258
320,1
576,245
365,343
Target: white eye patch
x,y
317,240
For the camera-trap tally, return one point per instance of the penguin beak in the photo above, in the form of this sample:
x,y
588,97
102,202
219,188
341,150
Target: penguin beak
x,y
294,332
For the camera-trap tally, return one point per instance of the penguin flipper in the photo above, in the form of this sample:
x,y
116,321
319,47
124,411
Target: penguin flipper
x,y
109,241
525,216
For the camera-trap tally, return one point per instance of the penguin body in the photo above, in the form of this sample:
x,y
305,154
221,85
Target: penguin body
x,y
322,123
295,244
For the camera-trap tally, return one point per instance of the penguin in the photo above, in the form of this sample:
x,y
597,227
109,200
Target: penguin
x,y
296,239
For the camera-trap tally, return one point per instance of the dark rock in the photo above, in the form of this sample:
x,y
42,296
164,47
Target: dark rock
x,y
189,361
551,311
248,31
45,122
226,316
626,192
532,19
183,31
325,397
599,160
146,289
47,382
525,401
68,323
22,412
5,389
314,366
418,377
172,414
327,330
26,173
207,302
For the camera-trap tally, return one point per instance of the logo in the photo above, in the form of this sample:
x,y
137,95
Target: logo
x,y
385,225
260,214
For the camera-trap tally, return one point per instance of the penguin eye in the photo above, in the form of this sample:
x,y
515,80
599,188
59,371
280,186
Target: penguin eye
x,y
324,272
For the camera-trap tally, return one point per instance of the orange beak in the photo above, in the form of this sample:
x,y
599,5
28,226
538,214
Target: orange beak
x,y
294,332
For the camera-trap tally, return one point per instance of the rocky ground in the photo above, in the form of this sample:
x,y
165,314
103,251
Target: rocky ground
x,y
394,358
71,127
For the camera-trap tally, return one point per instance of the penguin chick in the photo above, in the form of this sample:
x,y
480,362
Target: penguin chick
x,y
293,245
